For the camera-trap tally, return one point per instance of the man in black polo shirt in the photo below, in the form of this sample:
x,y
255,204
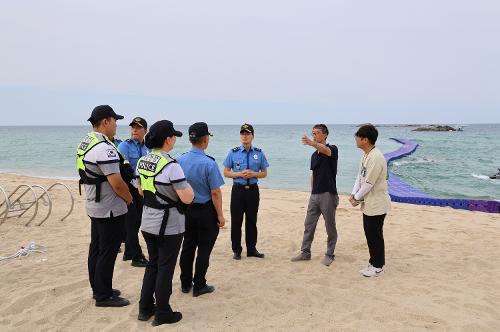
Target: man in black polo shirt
x,y
324,198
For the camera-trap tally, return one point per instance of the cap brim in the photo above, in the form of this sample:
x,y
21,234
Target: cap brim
x,y
210,134
118,117
177,133
246,131
136,123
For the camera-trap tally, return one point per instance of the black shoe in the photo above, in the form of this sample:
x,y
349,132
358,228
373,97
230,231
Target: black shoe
x,y
141,262
116,292
255,253
186,289
125,257
145,315
204,290
112,301
237,256
173,318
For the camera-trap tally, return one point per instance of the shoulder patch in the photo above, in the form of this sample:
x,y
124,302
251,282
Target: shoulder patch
x,y
210,157
111,153
257,149
236,149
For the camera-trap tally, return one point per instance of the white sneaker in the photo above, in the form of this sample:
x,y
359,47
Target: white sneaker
x,y
365,269
373,271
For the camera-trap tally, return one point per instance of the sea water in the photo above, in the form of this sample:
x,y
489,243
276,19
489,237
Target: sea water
x,y
446,164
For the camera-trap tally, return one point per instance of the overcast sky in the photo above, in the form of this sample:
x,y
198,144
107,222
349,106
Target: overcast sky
x,y
225,62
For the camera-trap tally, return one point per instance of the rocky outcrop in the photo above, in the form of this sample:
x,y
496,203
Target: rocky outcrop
x,y
435,128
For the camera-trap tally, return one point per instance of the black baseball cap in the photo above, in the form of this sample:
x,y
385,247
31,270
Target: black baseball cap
x,y
103,112
158,132
248,128
139,121
198,129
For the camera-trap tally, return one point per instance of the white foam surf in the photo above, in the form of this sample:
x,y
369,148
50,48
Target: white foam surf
x,y
415,162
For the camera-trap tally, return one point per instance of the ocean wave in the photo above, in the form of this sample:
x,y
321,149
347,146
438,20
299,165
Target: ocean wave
x,y
415,162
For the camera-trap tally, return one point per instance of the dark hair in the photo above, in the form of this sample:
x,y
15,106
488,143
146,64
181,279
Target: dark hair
x,y
155,141
368,131
97,123
196,140
323,128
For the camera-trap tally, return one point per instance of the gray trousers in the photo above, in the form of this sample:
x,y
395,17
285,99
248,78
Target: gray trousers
x,y
321,204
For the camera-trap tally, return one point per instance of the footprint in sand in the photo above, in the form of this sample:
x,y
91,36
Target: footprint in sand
x,y
103,320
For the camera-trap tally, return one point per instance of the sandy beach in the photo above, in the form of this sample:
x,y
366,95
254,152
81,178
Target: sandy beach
x,y
441,274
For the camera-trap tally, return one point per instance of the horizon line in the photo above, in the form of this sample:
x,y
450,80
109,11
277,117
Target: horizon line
x,y
271,124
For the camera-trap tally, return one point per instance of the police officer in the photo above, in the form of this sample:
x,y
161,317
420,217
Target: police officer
x,y
245,164
100,165
165,188
133,149
204,216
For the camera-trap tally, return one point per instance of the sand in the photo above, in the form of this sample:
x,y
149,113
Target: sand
x,y
442,274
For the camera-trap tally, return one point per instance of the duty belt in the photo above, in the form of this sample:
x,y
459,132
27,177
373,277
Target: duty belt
x,y
201,205
246,186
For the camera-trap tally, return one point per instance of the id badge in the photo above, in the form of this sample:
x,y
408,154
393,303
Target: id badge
x,y
363,171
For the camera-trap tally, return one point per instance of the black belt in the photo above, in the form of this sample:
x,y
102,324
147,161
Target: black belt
x,y
201,205
245,186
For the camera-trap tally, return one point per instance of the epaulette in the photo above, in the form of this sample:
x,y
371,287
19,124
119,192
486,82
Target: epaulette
x,y
128,140
210,157
236,149
257,149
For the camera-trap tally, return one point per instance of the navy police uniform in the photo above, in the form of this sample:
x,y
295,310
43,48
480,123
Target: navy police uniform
x,y
116,141
202,228
245,194
132,150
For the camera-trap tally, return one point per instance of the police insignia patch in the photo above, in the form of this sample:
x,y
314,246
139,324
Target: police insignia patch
x,y
111,153
255,157
83,146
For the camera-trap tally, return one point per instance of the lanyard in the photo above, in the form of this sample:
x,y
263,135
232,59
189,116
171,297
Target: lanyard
x,y
363,166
